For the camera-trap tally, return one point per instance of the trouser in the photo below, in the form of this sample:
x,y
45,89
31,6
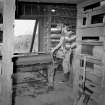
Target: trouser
x,y
67,66
66,62
51,71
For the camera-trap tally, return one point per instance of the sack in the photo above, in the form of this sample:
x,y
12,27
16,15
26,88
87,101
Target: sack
x,y
60,54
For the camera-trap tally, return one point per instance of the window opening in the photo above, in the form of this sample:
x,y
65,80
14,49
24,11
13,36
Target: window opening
x,y
97,18
23,34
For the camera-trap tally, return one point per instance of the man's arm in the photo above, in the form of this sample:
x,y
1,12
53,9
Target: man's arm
x,y
58,45
72,38
74,45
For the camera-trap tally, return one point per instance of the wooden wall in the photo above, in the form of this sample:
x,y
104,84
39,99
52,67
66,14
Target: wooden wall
x,y
64,14
90,48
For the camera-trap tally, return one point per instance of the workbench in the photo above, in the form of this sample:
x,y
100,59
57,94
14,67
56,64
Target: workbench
x,y
30,72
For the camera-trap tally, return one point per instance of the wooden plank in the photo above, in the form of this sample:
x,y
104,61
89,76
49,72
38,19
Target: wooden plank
x,y
7,51
32,59
91,59
96,72
87,2
94,79
94,43
94,88
92,30
98,10
30,68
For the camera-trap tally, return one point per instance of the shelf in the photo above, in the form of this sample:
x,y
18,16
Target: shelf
x,y
91,26
54,40
55,36
94,43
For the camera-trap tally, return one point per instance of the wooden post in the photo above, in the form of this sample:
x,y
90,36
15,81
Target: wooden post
x,y
33,37
8,37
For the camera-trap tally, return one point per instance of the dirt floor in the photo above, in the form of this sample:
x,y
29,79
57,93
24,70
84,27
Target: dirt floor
x,y
61,95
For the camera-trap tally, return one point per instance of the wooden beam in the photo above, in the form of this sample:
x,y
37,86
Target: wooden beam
x,y
34,34
7,51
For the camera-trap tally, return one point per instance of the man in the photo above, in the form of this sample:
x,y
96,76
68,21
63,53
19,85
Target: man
x,y
64,51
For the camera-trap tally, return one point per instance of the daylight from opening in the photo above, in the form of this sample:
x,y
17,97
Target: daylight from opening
x,y
24,27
